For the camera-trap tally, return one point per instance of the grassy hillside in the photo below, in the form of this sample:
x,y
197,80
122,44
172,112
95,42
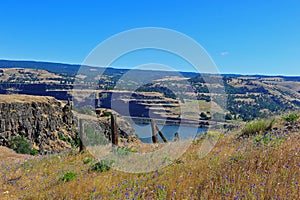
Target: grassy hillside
x,y
258,161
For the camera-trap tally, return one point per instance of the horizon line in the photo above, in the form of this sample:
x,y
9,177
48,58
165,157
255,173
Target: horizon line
x,y
116,67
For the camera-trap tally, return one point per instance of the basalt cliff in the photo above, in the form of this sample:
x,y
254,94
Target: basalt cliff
x,y
48,125
42,121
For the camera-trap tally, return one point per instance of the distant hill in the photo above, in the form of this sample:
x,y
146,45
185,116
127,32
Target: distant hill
x,y
72,69
59,68
248,96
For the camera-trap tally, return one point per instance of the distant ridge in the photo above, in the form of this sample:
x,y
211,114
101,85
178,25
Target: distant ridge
x,y
60,68
72,69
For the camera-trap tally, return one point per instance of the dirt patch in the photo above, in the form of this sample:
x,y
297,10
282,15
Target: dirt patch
x,y
8,155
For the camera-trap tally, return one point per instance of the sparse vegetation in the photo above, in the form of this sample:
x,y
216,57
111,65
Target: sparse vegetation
x,y
87,160
21,145
34,152
291,117
73,141
268,139
256,127
68,177
261,166
102,166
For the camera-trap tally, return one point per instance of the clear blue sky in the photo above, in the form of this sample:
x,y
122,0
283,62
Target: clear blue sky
x,y
242,36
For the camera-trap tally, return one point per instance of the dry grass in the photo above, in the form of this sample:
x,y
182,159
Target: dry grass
x,y
244,169
24,98
8,155
15,74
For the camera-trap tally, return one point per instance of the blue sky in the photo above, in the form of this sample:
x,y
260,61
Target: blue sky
x,y
241,36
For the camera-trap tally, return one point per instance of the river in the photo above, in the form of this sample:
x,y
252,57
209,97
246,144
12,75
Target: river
x,y
145,134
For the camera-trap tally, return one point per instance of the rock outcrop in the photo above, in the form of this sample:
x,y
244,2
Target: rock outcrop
x,y
48,125
43,121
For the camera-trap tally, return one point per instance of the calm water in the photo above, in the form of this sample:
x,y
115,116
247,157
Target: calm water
x,y
145,134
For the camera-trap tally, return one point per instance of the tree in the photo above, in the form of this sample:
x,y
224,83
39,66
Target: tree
x,y
204,116
228,116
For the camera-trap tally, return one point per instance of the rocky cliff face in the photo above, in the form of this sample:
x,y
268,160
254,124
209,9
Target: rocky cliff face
x,y
43,121
48,125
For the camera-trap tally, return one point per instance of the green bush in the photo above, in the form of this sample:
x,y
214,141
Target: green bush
x,y
68,177
291,117
256,127
268,139
204,116
107,114
262,139
102,166
74,142
228,116
34,152
21,145
88,160
61,136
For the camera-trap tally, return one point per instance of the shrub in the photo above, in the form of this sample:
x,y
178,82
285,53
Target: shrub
x,y
107,114
88,160
268,139
228,116
102,166
262,139
74,142
291,117
256,127
204,116
68,177
21,145
34,152
61,136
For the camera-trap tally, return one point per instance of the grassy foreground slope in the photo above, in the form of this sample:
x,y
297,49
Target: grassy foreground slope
x,y
263,164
